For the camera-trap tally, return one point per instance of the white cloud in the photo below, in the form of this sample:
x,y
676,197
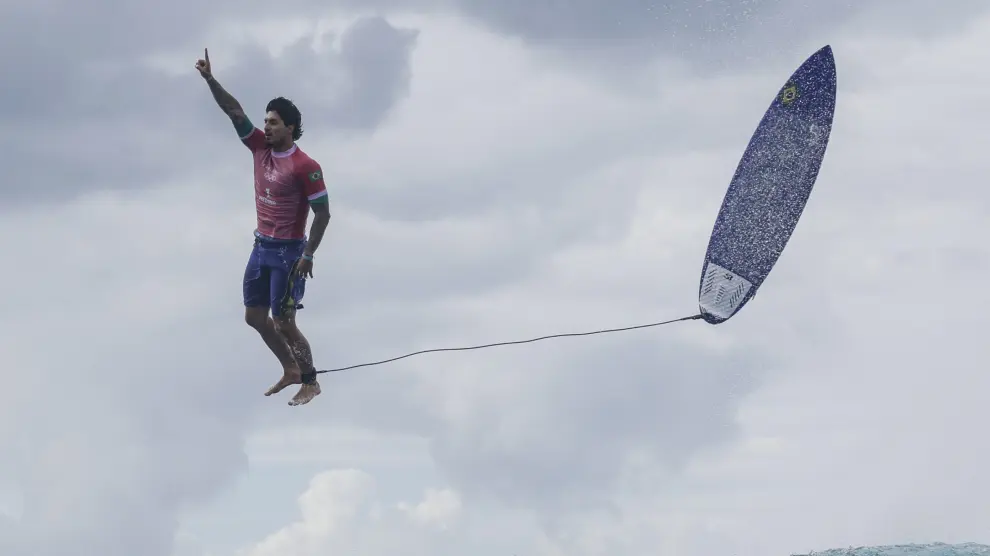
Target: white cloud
x,y
864,432
509,199
328,510
438,508
341,511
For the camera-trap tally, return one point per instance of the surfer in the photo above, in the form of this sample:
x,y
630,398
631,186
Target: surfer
x,y
287,185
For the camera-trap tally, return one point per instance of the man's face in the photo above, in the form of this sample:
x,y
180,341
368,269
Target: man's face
x,y
276,132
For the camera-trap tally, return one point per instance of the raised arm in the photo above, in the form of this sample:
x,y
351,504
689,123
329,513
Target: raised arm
x,y
250,135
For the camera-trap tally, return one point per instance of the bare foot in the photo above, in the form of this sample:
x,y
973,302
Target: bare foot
x,y
291,376
305,394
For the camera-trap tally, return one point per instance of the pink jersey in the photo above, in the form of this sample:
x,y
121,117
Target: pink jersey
x,y
285,183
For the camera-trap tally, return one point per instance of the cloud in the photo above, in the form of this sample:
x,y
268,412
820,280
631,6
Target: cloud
x,y
438,508
838,409
349,83
121,123
136,413
376,55
340,511
507,260
714,36
507,197
521,417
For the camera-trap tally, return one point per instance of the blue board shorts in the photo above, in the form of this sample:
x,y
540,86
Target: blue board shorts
x,y
269,277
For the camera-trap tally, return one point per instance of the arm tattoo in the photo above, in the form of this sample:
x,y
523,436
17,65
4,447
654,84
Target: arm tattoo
x,y
225,100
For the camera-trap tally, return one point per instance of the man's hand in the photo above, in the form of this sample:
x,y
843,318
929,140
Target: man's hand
x,y
305,267
204,65
225,101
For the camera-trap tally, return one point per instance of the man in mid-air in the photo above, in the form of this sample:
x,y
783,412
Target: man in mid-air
x,y
287,184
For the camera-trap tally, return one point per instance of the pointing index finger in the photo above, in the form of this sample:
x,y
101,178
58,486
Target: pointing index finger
x,y
206,54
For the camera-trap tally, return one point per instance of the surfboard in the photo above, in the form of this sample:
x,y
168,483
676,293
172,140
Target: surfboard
x,y
770,188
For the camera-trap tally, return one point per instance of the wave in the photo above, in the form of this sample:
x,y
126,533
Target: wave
x,y
933,549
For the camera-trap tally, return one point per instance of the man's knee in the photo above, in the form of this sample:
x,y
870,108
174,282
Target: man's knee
x,y
256,317
286,326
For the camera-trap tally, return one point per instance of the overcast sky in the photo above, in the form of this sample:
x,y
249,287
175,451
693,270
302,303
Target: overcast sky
x,y
497,170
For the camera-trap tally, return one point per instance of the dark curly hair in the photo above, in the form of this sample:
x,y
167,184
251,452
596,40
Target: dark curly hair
x,y
289,113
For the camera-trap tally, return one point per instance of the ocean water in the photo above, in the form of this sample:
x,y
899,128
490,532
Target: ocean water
x,y
934,549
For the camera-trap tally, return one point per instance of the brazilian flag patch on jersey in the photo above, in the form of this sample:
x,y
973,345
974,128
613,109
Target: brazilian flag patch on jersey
x,y
314,176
